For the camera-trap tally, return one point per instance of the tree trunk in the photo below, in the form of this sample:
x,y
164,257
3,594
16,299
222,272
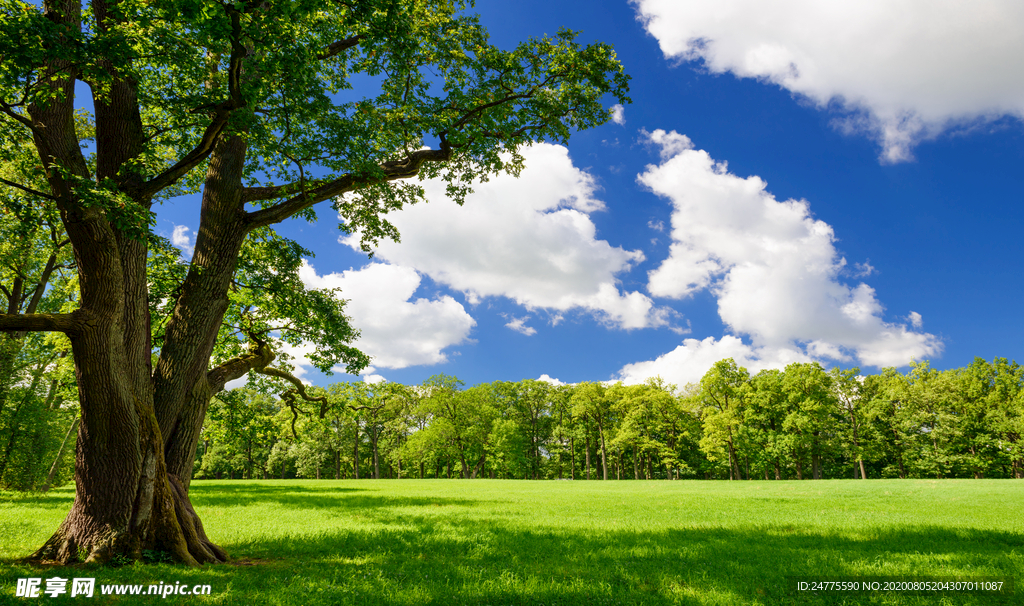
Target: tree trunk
x,y
734,464
588,454
355,457
733,458
856,444
15,433
572,458
604,452
60,455
376,461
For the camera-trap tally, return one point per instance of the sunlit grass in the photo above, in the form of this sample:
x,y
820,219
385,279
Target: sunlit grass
x,y
558,543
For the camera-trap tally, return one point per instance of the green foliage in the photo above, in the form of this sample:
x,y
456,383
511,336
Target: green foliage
x,y
37,400
239,434
800,422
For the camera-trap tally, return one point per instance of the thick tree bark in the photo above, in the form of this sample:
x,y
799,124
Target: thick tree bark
x,y
138,437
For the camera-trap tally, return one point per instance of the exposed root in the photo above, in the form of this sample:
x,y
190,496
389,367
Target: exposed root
x,y
180,537
199,546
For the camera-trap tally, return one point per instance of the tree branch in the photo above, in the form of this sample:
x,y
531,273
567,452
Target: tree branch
x,y
25,121
252,194
28,190
259,356
66,323
300,388
222,113
392,170
289,396
338,47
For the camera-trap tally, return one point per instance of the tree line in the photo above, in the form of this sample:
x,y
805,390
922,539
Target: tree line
x,y
801,422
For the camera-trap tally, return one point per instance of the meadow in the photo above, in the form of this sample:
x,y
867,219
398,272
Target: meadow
x,y
551,543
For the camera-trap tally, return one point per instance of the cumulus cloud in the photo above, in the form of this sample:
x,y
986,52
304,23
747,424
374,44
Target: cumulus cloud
x,y
774,270
688,362
370,377
900,70
181,239
530,239
618,114
550,380
395,330
519,325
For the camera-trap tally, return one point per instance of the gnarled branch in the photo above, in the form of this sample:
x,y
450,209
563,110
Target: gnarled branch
x,y
289,396
255,359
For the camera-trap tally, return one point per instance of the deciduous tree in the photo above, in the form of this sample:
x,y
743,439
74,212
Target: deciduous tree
x,y
248,102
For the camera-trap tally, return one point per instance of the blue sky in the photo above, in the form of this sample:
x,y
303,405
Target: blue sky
x,y
836,182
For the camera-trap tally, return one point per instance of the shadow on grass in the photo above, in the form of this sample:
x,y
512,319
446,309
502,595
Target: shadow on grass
x,y
475,563
455,556
335,499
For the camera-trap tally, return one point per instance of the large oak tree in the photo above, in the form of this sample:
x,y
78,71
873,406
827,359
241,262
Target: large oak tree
x,y
267,108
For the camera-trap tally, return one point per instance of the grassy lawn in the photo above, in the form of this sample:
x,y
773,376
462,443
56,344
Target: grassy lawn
x,y
551,543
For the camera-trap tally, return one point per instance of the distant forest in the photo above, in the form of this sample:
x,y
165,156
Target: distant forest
x,y
803,422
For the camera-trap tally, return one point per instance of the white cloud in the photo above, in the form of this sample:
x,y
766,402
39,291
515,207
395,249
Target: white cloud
x,y
900,70
915,319
529,239
181,239
688,362
863,270
519,325
618,114
550,380
395,330
774,270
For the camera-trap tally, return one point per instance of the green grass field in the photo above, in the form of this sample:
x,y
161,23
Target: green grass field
x,y
551,543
